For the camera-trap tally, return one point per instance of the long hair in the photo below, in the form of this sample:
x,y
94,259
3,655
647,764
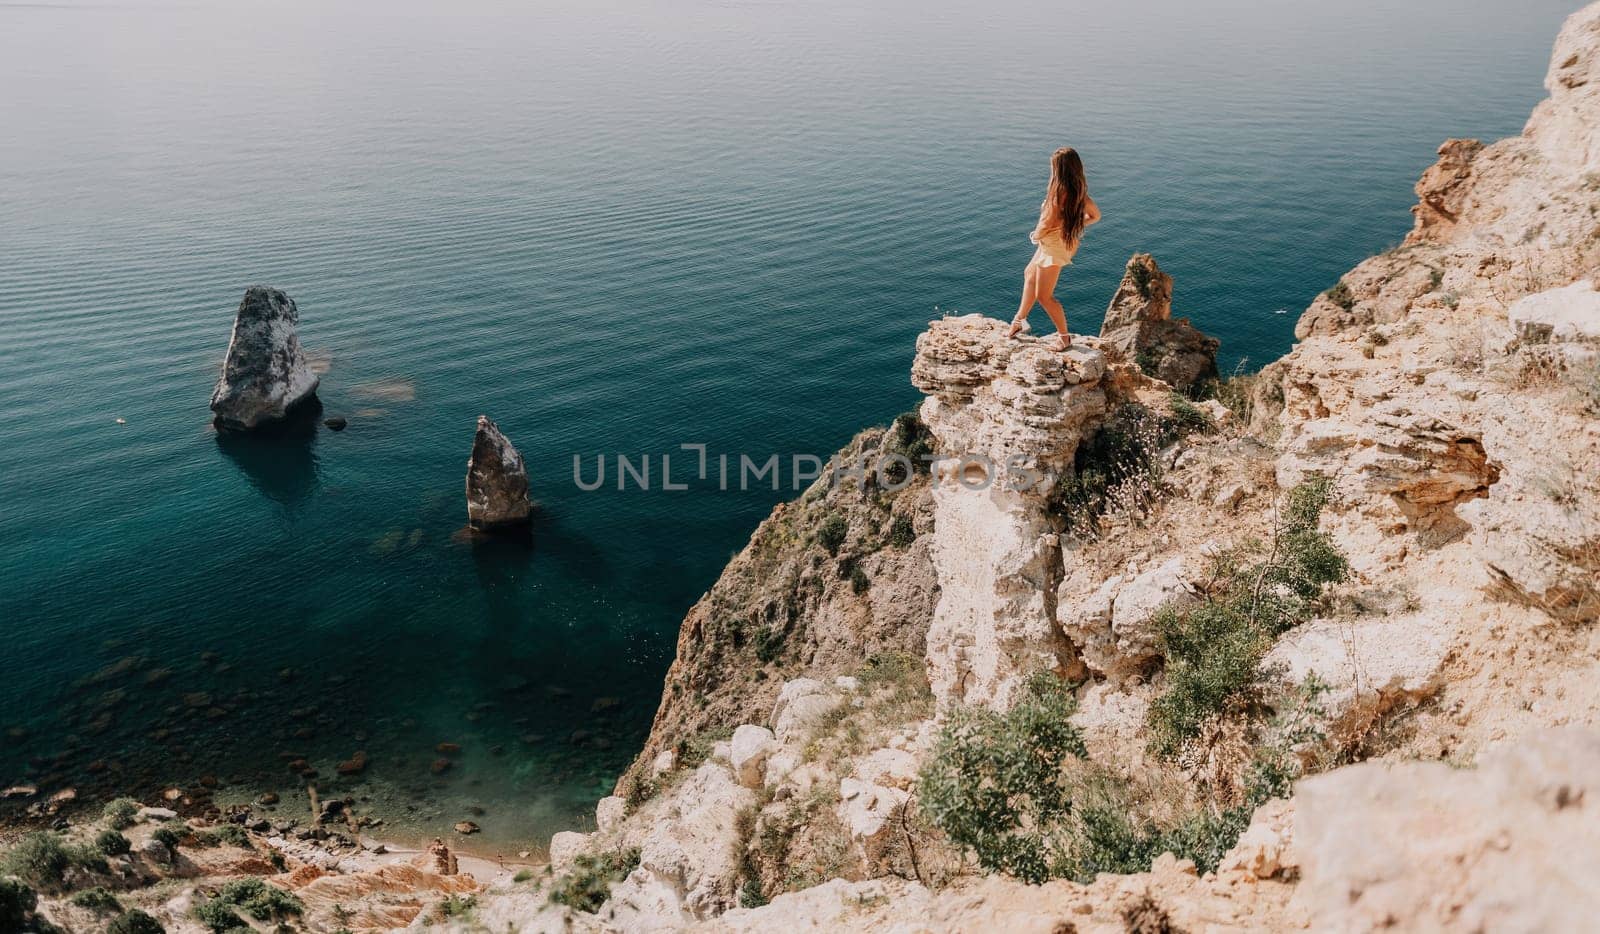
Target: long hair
x,y
1068,196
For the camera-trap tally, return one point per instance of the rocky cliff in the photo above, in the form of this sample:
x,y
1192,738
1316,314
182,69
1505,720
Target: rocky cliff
x,y
1140,649
1360,571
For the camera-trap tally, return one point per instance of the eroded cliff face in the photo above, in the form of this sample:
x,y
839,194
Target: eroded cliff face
x,y
1009,416
1446,391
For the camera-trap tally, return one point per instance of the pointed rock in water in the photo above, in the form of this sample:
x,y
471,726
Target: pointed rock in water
x,y
497,481
265,374
1139,328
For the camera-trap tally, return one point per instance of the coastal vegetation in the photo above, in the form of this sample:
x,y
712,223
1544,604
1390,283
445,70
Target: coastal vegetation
x,y
1213,649
251,896
588,884
1018,789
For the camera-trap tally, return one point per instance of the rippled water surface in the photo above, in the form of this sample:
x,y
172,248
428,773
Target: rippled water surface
x,y
614,226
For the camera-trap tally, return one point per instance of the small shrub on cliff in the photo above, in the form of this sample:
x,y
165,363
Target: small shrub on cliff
x,y
1341,295
229,835
859,581
589,883
911,439
1237,392
902,532
1214,648
769,644
135,922
121,813
252,896
457,906
1187,417
995,784
17,902
1140,273
1119,469
112,843
832,532
169,836
96,899
38,859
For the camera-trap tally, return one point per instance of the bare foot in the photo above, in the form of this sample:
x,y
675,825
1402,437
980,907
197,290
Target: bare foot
x,y
1018,325
1063,342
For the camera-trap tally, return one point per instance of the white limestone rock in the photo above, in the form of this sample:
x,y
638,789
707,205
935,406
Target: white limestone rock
x,y
1571,313
610,812
1114,627
802,704
1013,412
565,847
1367,664
1427,846
748,752
689,848
869,812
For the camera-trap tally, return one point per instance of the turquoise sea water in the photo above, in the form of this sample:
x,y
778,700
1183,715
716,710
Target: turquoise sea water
x,y
615,227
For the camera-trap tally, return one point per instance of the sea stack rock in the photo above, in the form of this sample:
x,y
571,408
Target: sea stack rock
x,y
1139,328
497,481
265,374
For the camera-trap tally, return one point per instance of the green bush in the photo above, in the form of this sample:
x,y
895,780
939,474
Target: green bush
x,y
38,859
226,835
252,896
220,916
121,813
1123,459
458,906
995,784
135,922
769,643
112,843
1213,649
17,902
1141,279
911,439
859,581
1187,417
87,856
96,899
1341,295
901,532
832,532
589,883
169,837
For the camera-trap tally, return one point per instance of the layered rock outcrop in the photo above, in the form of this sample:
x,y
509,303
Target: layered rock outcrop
x,y
265,374
1139,328
497,481
1008,416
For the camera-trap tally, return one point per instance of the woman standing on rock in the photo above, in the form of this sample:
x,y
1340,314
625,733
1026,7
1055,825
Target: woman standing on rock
x,y
1066,211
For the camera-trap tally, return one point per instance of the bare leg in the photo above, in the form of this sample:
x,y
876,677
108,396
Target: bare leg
x,y
1045,283
1030,294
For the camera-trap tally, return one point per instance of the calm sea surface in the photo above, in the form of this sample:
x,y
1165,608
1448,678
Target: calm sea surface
x,y
614,226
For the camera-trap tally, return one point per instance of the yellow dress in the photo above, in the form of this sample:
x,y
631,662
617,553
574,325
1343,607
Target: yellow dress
x,y
1052,246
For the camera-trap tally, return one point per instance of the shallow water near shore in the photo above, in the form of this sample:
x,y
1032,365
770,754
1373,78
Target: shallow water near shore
x,y
614,228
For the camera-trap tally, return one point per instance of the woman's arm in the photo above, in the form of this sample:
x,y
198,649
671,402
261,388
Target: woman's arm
x,y
1091,213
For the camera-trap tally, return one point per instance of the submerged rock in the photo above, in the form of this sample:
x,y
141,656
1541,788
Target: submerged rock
x,y
265,374
1139,328
497,481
